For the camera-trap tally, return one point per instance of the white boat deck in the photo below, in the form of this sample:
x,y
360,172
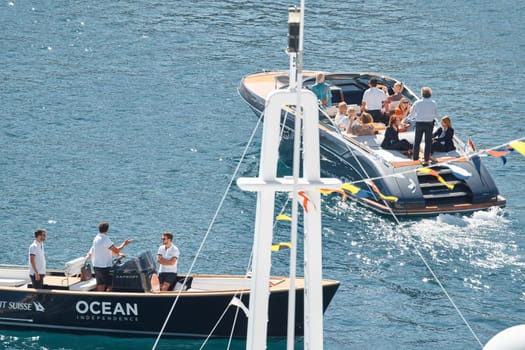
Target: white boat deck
x,y
18,277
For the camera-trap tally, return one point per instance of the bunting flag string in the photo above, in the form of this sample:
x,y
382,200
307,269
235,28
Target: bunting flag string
x,y
350,188
458,172
437,176
357,191
283,217
327,191
381,195
504,150
471,144
306,200
500,153
280,246
518,146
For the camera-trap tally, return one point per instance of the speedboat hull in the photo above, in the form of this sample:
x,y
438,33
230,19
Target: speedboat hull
x,y
355,159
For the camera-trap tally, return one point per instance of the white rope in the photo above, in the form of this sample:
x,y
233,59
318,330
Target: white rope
x,y
470,156
234,175
336,127
412,241
248,268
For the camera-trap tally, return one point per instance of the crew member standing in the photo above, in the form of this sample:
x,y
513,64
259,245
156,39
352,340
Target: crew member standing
x,y
102,252
37,259
167,256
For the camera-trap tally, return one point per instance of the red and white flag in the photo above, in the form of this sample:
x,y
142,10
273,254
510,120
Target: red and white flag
x,y
471,144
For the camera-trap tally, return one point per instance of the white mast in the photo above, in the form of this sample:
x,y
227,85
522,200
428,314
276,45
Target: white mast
x,y
267,183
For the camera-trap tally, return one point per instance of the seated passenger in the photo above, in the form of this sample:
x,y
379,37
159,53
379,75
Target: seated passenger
x,y
402,111
364,126
392,141
392,101
341,118
442,139
352,117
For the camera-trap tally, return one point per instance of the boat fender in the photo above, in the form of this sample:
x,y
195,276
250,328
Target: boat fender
x,y
512,338
155,284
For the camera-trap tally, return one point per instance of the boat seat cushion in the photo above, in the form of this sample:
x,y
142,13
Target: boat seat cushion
x,y
73,267
89,284
14,277
372,141
13,282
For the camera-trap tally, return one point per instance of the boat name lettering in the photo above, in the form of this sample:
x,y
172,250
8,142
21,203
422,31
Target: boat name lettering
x,y
13,305
107,308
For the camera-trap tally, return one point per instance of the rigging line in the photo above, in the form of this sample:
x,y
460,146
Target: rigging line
x,y
478,153
284,124
444,290
215,327
212,222
225,310
248,268
418,252
336,127
398,223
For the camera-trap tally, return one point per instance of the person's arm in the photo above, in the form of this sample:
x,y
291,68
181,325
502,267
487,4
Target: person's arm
x,y
88,255
387,104
117,250
163,261
449,135
383,101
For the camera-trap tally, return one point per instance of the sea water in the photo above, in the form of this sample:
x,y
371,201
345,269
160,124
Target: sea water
x,y
128,112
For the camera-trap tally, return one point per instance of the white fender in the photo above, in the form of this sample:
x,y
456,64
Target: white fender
x,y
512,338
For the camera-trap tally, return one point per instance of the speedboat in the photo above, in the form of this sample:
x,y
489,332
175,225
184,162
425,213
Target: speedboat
x,y
132,309
386,181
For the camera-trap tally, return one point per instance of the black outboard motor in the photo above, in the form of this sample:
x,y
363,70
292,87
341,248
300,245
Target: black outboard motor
x,y
134,275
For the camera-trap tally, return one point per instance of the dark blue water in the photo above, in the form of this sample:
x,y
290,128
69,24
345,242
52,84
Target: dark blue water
x,y
127,111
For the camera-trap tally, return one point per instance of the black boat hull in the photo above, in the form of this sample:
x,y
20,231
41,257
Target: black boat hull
x,y
143,314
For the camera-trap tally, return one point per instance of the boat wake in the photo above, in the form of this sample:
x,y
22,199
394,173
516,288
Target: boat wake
x,y
483,239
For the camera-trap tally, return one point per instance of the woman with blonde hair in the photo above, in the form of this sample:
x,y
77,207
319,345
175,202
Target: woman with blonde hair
x,y
402,111
443,138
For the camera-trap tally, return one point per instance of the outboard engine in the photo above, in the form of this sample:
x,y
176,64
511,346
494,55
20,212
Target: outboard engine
x,y
134,275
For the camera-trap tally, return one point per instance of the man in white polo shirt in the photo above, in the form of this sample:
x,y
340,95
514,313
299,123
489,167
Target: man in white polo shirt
x,y
373,101
37,259
167,257
102,253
